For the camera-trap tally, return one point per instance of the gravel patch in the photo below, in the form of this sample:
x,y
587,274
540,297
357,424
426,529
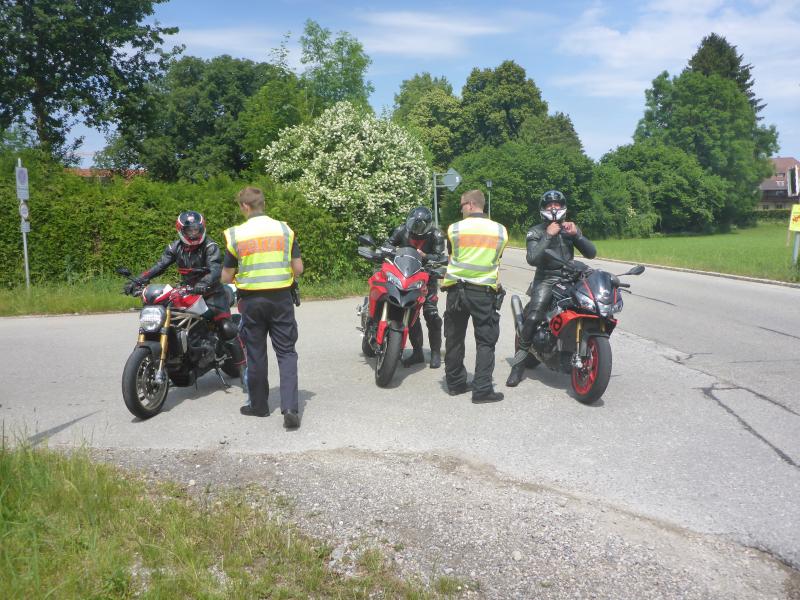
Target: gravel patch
x,y
436,515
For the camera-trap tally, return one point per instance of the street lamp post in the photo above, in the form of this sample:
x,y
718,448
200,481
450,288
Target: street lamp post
x,y
489,189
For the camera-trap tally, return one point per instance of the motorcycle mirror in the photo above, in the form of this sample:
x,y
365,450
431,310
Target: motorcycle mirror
x,y
365,252
637,270
123,271
366,239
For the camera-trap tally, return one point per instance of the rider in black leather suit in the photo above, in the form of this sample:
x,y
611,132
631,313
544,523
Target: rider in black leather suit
x,y
554,234
199,262
419,232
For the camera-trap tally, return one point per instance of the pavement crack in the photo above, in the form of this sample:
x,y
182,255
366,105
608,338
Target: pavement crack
x,y
780,332
709,393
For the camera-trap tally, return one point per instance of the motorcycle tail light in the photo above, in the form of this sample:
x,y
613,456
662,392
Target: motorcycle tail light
x,y
151,319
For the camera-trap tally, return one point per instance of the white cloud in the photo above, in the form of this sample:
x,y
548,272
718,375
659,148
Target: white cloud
x,y
254,43
431,35
665,34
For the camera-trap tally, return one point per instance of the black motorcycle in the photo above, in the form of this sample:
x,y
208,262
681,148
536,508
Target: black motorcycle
x,y
579,320
178,342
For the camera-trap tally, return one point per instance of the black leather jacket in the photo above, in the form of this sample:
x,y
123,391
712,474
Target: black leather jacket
x,y
432,244
206,256
537,241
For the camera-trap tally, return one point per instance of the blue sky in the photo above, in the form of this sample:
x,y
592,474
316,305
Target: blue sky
x,y
591,59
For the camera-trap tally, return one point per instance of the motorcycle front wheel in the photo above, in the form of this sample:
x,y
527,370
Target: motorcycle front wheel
x,y
591,380
143,396
388,357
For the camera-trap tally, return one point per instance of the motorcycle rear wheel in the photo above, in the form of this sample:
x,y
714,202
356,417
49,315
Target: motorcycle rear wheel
x,y
591,380
389,357
143,396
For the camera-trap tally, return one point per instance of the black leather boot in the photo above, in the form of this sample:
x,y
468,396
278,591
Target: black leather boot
x,y
436,359
517,375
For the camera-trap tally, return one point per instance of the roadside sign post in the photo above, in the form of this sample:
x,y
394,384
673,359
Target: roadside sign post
x,y
23,194
794,225
489,190
450,180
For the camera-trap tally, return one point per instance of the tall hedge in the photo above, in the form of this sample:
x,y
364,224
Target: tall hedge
x,y
85,228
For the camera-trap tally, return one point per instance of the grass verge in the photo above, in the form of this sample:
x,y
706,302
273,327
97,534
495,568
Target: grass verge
x,y
760,251
103,295
72,528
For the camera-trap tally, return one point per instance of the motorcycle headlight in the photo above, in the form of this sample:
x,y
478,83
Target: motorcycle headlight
x,y
585,302
394,280
617,306
416,285
151,319
604,309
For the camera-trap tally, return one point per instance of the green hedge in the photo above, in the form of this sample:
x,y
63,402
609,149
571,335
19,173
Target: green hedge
x,y
84,228
773,214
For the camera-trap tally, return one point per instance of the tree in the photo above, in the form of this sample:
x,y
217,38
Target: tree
x,y
365,171
336,68
716,56
685,196
497,102
550,130
413,90
620,204
437,121
710,118
64,59
190,127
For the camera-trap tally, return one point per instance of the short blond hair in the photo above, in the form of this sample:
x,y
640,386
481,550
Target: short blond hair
x,y
474,197
253,197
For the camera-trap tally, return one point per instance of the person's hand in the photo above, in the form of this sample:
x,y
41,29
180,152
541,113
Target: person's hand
x,y
553,229
133,286
200,287
570,229
422,254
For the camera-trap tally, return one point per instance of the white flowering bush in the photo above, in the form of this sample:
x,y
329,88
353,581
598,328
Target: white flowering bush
x,y
365,170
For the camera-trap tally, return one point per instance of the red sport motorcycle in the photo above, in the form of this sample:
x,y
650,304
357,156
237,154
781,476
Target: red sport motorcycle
x,y
397,292
579,321
178,342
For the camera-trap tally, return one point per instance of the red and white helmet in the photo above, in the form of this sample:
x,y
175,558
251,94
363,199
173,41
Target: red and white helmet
x,y
191,228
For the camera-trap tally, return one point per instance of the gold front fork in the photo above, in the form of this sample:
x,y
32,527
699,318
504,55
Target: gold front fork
x,y
164,336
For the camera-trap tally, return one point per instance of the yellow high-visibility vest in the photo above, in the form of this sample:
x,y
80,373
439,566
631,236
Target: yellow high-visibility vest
x,y
477,244
263,247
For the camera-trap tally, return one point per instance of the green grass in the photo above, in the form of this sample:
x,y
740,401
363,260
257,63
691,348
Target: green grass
x,y
72,528
103,295
755,252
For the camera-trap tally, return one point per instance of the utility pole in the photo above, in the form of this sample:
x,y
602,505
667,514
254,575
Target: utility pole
x,y
23,195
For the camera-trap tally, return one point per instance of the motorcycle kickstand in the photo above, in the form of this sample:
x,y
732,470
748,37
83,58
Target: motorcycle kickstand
x,y
221,378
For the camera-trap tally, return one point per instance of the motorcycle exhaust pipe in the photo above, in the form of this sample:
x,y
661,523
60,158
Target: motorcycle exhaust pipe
x,y
516,310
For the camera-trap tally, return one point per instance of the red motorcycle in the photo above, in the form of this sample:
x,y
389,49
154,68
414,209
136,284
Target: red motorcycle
x,y
178,342
397,292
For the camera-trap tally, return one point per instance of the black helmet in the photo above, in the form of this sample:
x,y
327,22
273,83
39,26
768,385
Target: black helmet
x,y
191,228
556,214
419,222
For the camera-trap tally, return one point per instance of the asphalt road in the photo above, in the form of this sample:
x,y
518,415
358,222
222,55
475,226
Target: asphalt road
x,y
699,427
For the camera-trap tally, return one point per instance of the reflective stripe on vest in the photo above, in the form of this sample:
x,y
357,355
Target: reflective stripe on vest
x,y
477,245
263,248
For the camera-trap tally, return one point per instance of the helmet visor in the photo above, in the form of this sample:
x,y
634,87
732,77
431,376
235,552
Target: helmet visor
x,y
192,232
418,226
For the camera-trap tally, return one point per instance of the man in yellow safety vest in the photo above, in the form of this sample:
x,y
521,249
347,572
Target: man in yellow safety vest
x,y
264,257
475,245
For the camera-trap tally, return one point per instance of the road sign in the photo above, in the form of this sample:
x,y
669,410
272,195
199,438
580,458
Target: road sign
x,y
22,183
25,226
24,211
451,179
794,220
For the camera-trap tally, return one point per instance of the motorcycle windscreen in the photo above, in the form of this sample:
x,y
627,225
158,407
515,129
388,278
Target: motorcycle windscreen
x,y
602,287
407,261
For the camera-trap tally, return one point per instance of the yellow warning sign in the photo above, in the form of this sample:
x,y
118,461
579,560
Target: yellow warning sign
x,y
794,219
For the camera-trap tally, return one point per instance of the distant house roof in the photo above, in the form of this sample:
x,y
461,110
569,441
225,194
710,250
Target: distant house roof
x,y
781,165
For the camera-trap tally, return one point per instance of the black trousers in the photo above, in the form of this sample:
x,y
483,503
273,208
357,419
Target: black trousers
x,y
430,312
477,303
541,291
270,313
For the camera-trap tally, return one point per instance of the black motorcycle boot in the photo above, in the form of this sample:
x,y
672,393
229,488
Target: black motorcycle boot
x,y
517,375
416,357
435,340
